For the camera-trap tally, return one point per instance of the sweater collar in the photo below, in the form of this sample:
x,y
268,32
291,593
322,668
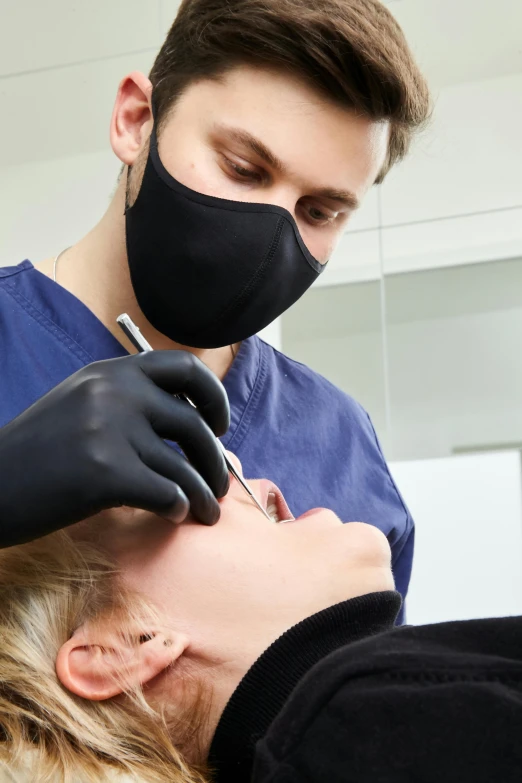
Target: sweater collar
x,y
265,688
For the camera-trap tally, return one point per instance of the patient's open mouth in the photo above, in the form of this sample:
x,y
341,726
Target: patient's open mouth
x,y
274,502
272,507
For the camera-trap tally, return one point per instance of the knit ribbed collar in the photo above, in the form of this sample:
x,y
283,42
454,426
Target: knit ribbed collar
x,y
267,685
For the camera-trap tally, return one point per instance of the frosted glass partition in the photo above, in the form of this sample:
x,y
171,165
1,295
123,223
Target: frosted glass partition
x,y
447,405
338,332
454,339
452,379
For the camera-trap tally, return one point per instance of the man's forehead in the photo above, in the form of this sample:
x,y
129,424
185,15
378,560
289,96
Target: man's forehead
x,y
291,128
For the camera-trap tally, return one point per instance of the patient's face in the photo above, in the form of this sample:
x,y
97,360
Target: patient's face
x,y
247,580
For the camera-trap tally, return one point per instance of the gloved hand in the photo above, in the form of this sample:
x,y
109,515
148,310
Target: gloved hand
x,y
96,442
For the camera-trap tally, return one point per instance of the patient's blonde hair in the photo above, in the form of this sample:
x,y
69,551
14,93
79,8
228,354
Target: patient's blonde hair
x,y
48,588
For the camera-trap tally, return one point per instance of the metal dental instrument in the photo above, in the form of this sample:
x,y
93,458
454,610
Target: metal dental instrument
x,y
130,329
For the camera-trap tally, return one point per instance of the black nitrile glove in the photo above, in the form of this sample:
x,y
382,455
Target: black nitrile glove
x,y
96,442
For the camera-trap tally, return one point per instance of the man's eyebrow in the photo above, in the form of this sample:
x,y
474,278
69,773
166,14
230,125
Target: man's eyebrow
x,y
254,144
345,197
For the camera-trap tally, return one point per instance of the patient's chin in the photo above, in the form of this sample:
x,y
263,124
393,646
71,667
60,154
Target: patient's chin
x,y
375,579
368,544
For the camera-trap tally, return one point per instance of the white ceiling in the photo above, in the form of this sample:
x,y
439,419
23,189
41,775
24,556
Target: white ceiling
x,y
61,60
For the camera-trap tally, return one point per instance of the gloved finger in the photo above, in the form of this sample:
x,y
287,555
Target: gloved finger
x,y
168,463
147,490
176,420
180,372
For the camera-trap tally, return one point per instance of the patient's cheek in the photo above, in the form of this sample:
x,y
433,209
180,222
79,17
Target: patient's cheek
x,y
120,531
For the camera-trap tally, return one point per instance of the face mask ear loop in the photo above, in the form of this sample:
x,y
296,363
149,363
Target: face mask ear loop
x,y
154,109
127,205
153,140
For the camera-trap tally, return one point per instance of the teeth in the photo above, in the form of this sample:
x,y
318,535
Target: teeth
x,y
271,508
272,512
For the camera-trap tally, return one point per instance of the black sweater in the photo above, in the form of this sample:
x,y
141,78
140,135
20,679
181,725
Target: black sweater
x,y
431,704
266,687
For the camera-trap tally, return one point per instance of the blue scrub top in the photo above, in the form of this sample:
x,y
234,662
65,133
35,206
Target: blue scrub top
x,y
289,424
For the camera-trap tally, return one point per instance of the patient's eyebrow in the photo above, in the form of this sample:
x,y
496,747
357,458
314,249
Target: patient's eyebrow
x,y
255,145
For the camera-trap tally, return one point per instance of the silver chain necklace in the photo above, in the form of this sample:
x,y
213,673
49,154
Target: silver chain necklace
x,y
56,261
55,265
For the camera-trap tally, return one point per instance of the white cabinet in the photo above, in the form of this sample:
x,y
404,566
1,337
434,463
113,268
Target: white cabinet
x,y
468,548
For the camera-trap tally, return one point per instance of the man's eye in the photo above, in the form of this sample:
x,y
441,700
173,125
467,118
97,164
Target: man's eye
x,y
318,216
244,173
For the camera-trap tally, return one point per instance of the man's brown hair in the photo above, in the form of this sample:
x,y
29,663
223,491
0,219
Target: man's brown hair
x,y
351,51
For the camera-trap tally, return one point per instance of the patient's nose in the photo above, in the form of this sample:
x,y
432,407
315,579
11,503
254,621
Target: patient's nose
x,y
237,464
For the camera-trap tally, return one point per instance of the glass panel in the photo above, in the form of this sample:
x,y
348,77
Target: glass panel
x,y
455,360
337,331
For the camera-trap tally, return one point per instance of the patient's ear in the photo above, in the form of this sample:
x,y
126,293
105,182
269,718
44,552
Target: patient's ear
x,y
97,663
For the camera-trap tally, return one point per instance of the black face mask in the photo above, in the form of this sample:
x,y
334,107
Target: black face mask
x,y
208,272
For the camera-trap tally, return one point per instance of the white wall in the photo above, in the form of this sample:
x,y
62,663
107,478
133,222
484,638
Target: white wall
x,y
60,65
456,199
468,162
468,549
48,205
273,334
454,339
57,173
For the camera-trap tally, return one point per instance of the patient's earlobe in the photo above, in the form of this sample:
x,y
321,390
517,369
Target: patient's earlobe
x,y
97,664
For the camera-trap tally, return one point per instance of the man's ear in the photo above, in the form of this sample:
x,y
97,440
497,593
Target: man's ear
x,y
96,663
131,122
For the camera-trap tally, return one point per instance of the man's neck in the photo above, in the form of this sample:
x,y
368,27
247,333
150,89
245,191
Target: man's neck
x,y
95,270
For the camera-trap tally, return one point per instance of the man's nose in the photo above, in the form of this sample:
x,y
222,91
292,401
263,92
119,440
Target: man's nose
x,y
285,196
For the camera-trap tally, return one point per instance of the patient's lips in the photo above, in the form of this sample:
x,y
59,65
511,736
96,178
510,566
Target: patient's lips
x,y
273,500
